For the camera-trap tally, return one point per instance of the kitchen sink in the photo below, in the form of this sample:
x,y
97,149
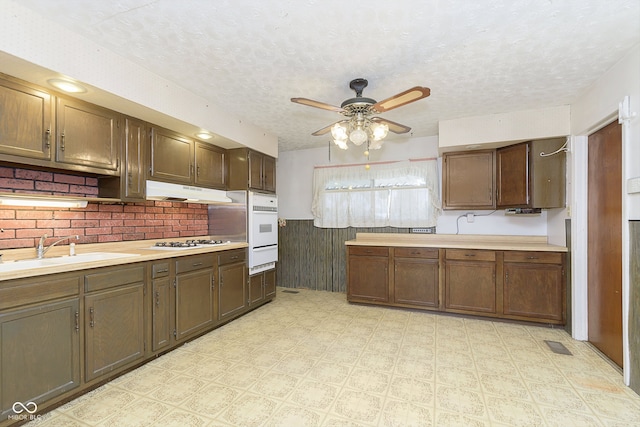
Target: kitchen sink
x,y
62,260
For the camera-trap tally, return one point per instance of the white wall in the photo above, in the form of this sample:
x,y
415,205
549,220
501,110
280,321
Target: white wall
x,y
295,178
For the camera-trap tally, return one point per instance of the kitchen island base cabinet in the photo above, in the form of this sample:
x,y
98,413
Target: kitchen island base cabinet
x,y
415,277
39,353
368,274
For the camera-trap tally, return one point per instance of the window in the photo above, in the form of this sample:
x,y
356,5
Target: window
x,y
397,194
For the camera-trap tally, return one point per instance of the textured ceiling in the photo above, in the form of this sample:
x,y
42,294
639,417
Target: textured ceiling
x,y
251,56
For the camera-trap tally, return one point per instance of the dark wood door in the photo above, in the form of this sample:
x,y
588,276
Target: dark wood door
x,y
39,353
605,241
232,289
87,135
269,174
171,157
468,180
26,119
255,170
415,281
133,165
194,302
269,283
161,313
512,176
470,286
256,289
114,329
210,166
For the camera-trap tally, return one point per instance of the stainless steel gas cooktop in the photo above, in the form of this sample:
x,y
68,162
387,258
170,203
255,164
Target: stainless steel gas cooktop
x,y
188,244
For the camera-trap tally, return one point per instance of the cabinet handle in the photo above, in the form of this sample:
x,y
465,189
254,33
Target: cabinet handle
x,y
198,171
162,271
47,138
92,317
62,141
157,298
469,254
196,264
235,257
532,257
130,183
77,316
506,277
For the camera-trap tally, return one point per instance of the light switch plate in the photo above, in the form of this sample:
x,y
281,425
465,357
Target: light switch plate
x,y
633,185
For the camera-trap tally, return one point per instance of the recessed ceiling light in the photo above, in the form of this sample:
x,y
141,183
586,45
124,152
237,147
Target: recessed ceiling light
x,y
67,85
204,135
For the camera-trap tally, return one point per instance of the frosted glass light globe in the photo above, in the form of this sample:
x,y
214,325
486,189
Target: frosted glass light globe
x,y
358,136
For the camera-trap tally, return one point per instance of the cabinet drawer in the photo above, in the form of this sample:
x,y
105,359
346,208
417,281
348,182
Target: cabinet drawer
x,y
533,257
369,250
160,270
112,277
192,263
230,257
27,293
470,254
415,252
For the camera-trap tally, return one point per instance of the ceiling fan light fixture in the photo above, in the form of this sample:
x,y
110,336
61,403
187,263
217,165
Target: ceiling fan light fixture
x,y
375,144
339,132
379,131
358,136
341,143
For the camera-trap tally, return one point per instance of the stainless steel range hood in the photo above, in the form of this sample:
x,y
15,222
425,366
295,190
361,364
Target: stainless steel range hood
x,y
184,193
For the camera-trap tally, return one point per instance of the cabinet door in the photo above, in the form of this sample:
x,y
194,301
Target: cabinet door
x,y
26,119
534,291
232,288
416,281
269,283
468,180
210,166
171,157
256,289
39,353
194,302
114,329
255,170
512,176
87,135
133,165
269,174
368,274
161,313
470,286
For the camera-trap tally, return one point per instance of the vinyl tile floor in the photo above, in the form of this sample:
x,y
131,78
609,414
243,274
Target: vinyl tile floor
x,y
311,359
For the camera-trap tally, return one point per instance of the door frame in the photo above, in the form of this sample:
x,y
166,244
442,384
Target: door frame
x,y
579,257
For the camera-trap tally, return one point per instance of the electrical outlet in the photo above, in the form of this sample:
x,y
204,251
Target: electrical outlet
x,y
471,217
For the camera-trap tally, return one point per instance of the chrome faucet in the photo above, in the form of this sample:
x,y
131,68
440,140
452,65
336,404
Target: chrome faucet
x,y
41,250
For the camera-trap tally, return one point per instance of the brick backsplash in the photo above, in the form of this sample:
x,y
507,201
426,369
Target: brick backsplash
x,y
98,222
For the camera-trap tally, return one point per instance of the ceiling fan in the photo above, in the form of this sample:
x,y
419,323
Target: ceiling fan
x,y
359,126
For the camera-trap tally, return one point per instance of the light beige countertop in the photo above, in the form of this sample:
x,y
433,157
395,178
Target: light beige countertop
x,y
137,251
457,241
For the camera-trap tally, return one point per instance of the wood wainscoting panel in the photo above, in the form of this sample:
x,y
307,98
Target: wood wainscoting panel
x,y
634,306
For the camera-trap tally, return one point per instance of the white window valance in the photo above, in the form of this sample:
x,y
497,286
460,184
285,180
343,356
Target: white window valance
x,y
396,194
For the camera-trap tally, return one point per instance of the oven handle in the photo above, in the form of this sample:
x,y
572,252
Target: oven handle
x,y
264,248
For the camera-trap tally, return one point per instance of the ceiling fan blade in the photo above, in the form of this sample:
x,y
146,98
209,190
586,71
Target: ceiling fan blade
x,y
317,104
393,126
403,98
327,128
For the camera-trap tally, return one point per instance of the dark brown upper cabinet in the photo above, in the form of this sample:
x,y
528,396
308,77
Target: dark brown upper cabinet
x,y
26,122
525,179
88,136
468,180
251,170
181,160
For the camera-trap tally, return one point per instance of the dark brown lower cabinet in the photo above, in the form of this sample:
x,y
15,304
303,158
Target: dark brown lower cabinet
x,y
534,286
114,329
39,353
262,287
270,284
368,274
232,275
194,284
470,280
161,312
415,277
